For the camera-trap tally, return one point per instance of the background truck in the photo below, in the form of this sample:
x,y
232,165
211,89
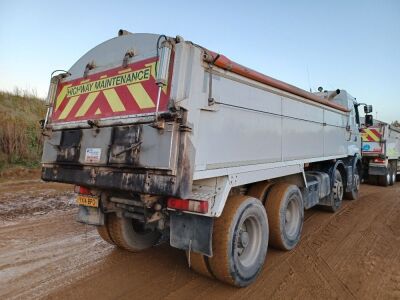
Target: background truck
x,y
168,141
381,153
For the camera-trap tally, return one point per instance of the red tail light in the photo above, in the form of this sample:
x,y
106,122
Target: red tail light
x,y
82,190
188,205
379,161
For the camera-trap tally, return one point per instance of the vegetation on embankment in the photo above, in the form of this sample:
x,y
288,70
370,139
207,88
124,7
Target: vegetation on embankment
x,y
20,135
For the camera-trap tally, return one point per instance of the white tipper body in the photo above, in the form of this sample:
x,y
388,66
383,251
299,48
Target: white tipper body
x,y
252,132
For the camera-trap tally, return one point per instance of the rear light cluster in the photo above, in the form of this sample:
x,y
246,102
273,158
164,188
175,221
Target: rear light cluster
x,y
188,205
379,161
82,190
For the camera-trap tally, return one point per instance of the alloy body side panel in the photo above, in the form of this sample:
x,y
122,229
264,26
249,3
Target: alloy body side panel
x,y
393,143
255,124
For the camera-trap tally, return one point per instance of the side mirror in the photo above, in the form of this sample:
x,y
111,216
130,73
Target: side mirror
x,y
369,120
368,109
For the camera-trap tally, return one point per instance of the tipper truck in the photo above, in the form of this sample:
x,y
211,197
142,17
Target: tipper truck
x,y
381,153
167,141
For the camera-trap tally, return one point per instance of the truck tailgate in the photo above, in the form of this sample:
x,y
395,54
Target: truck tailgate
x,y
372,140
114,93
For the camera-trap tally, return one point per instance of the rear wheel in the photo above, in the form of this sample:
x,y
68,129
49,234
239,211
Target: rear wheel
x,y
199,263
396,168
260,190
353,194
373,179
103,231
240,241
130,234
337,192
393,174
384,180
285,212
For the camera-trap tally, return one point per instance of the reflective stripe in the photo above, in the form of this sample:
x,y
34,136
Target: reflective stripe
x,y
68,108
86,104
114,92
371,135
124,71
142,99
61,96
114,100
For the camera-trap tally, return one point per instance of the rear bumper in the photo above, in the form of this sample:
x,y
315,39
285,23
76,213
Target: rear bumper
x,y
112,179
375,170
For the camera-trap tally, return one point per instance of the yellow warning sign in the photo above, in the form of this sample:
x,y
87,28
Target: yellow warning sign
x,y
110,82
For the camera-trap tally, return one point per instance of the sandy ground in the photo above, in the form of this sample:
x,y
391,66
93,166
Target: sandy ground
x,y
45,253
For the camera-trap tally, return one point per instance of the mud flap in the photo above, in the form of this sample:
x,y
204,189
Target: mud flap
x,y
191,232
379,171
90,215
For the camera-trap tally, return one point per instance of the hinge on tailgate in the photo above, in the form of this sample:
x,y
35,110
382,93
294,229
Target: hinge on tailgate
x,y
159,124
186,127
89,66
129,54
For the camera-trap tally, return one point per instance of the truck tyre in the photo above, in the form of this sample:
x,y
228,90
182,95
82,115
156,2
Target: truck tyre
x,y
337,192
353,194
393,174
260,190
384,180
103,231
373,179
130,235
285,215
240,241
199,264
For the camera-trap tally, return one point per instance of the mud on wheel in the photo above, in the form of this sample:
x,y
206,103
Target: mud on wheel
x,y
103,231
285,212
199,263
384,180
393,172
337,192
260,190
130,234
353,194
240,243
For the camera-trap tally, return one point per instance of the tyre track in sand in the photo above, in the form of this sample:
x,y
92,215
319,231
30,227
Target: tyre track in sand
x,y
45,253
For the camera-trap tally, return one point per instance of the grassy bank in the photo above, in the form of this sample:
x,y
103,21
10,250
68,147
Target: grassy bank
x,y
20,137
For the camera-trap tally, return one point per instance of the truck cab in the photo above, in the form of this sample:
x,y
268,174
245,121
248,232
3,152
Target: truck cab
x,y
343,98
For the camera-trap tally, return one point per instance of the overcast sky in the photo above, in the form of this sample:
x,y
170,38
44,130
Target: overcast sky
x,y
352,45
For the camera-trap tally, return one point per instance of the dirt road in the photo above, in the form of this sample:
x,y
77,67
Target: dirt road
x,y
44,252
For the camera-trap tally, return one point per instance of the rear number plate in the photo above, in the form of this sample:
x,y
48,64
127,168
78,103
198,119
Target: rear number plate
x,y
88,201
